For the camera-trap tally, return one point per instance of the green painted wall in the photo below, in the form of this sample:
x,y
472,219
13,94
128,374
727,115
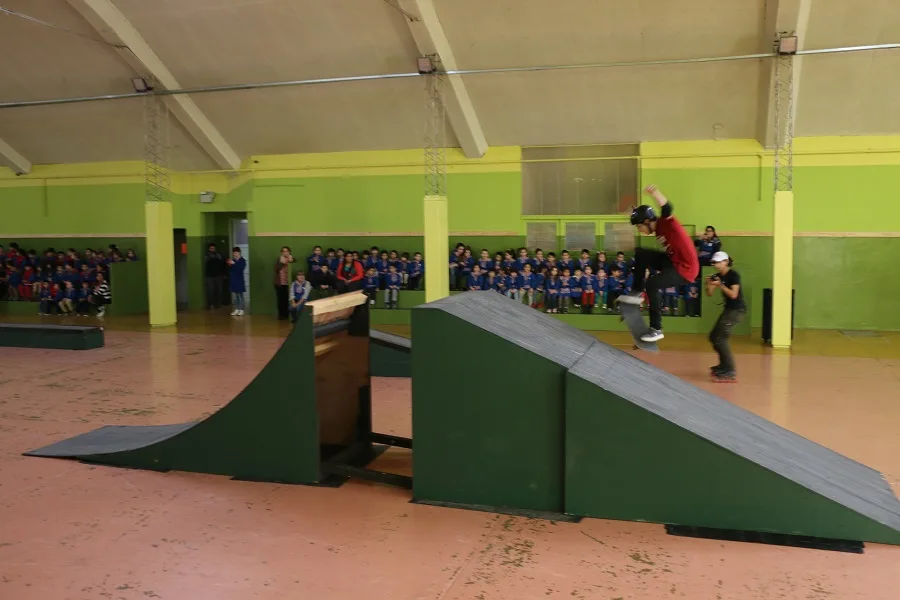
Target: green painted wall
x,y
734,199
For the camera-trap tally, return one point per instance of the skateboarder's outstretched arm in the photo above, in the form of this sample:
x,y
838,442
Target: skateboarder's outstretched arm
x,y
664,205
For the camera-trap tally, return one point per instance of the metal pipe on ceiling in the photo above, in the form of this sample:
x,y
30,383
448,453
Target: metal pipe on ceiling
x,y
349,79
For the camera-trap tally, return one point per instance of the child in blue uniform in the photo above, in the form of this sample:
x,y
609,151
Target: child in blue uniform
x,y
565,263
474,281
588,291
485,261
416,270
513,285
237,265
526,284
522,260
540,276
500,284
46,300
83,307
69,296
393,283
508,260
403,269
551,291
601,288
692,298
315,260
615,286
670,300
370,285
300,291
584,261
575,288
565,291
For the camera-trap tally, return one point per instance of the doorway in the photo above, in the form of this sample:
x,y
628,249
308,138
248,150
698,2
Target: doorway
x,y
240,238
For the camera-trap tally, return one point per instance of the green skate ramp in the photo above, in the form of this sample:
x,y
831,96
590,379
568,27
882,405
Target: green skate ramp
x,y
489,402
303,406
643,445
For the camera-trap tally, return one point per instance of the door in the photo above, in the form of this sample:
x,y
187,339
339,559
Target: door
x,y
240,238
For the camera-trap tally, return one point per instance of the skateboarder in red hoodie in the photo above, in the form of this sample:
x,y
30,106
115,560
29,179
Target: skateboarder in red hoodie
x,y
677,266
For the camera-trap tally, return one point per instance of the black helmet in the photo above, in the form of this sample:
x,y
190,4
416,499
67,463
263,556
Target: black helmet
x,y
642,213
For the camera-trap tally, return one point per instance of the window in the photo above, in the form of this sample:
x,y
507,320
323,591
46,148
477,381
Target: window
x,y
581,235
619,237
579,180
540,235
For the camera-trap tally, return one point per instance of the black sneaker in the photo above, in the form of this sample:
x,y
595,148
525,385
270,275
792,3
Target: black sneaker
x,y
725,377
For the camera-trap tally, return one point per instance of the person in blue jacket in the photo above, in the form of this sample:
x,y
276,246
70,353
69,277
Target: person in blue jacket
x,y
707,245
85,292
236,267
513,285
393,281
564,263
370,285
615,286
315,260
551,291
526,284
474,280
415,270
565,290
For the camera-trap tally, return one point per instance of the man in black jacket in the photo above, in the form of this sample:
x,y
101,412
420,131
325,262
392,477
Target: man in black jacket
x,y
214,270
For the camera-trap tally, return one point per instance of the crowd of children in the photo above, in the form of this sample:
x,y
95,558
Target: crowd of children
x,y
60,282
584,282
557,284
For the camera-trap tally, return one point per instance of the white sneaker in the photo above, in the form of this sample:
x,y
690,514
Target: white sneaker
x,y
240,313
235,312
654,335
633,299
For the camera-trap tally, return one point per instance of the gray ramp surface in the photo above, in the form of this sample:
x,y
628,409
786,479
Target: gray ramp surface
x,y
519,324
110,439
390,339
728,426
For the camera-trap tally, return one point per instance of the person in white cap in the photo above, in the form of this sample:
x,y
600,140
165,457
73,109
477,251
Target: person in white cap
x,y
728,281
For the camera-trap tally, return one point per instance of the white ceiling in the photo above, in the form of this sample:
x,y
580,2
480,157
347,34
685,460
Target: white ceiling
x,y
214,42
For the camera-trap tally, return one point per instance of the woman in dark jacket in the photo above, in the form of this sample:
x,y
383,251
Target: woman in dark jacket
x,y
707,245
350,275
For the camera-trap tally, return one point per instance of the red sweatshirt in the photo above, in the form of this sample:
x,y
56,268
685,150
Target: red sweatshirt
x,y
354,274
678,244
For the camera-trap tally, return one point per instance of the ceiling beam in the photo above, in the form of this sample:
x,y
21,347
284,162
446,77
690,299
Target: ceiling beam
x,y
430,38
783,17
19,163
113,27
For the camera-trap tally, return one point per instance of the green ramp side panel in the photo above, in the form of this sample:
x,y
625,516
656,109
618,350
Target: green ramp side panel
x,y
488,402
643,445
268,432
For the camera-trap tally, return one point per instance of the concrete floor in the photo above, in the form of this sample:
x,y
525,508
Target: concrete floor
x,y
74,531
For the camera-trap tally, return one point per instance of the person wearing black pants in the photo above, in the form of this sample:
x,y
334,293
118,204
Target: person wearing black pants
x,y
214,270
729,282
678,265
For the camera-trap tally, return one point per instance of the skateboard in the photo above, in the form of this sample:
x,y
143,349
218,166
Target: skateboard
x,y
631,315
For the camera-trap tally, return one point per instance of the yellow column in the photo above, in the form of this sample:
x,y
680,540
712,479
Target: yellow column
x,y
437,275
782,268
160,263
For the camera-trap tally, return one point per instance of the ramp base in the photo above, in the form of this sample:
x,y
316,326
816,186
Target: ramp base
x,y
774,539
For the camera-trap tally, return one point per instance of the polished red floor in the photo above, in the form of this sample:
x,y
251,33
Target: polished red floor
x,y
74,531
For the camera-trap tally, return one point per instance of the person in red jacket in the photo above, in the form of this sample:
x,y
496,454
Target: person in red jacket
x,y
350,274
676,266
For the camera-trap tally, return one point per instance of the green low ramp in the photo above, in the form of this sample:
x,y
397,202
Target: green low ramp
x,y
643,445
390,355
299,410
489,402
57,337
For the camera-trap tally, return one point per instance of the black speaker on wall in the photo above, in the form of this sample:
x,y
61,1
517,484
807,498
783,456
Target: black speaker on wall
x,y
767,315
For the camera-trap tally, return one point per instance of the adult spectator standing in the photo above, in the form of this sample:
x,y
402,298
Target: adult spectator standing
x,y
214,270
707,245
350,275
283,282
